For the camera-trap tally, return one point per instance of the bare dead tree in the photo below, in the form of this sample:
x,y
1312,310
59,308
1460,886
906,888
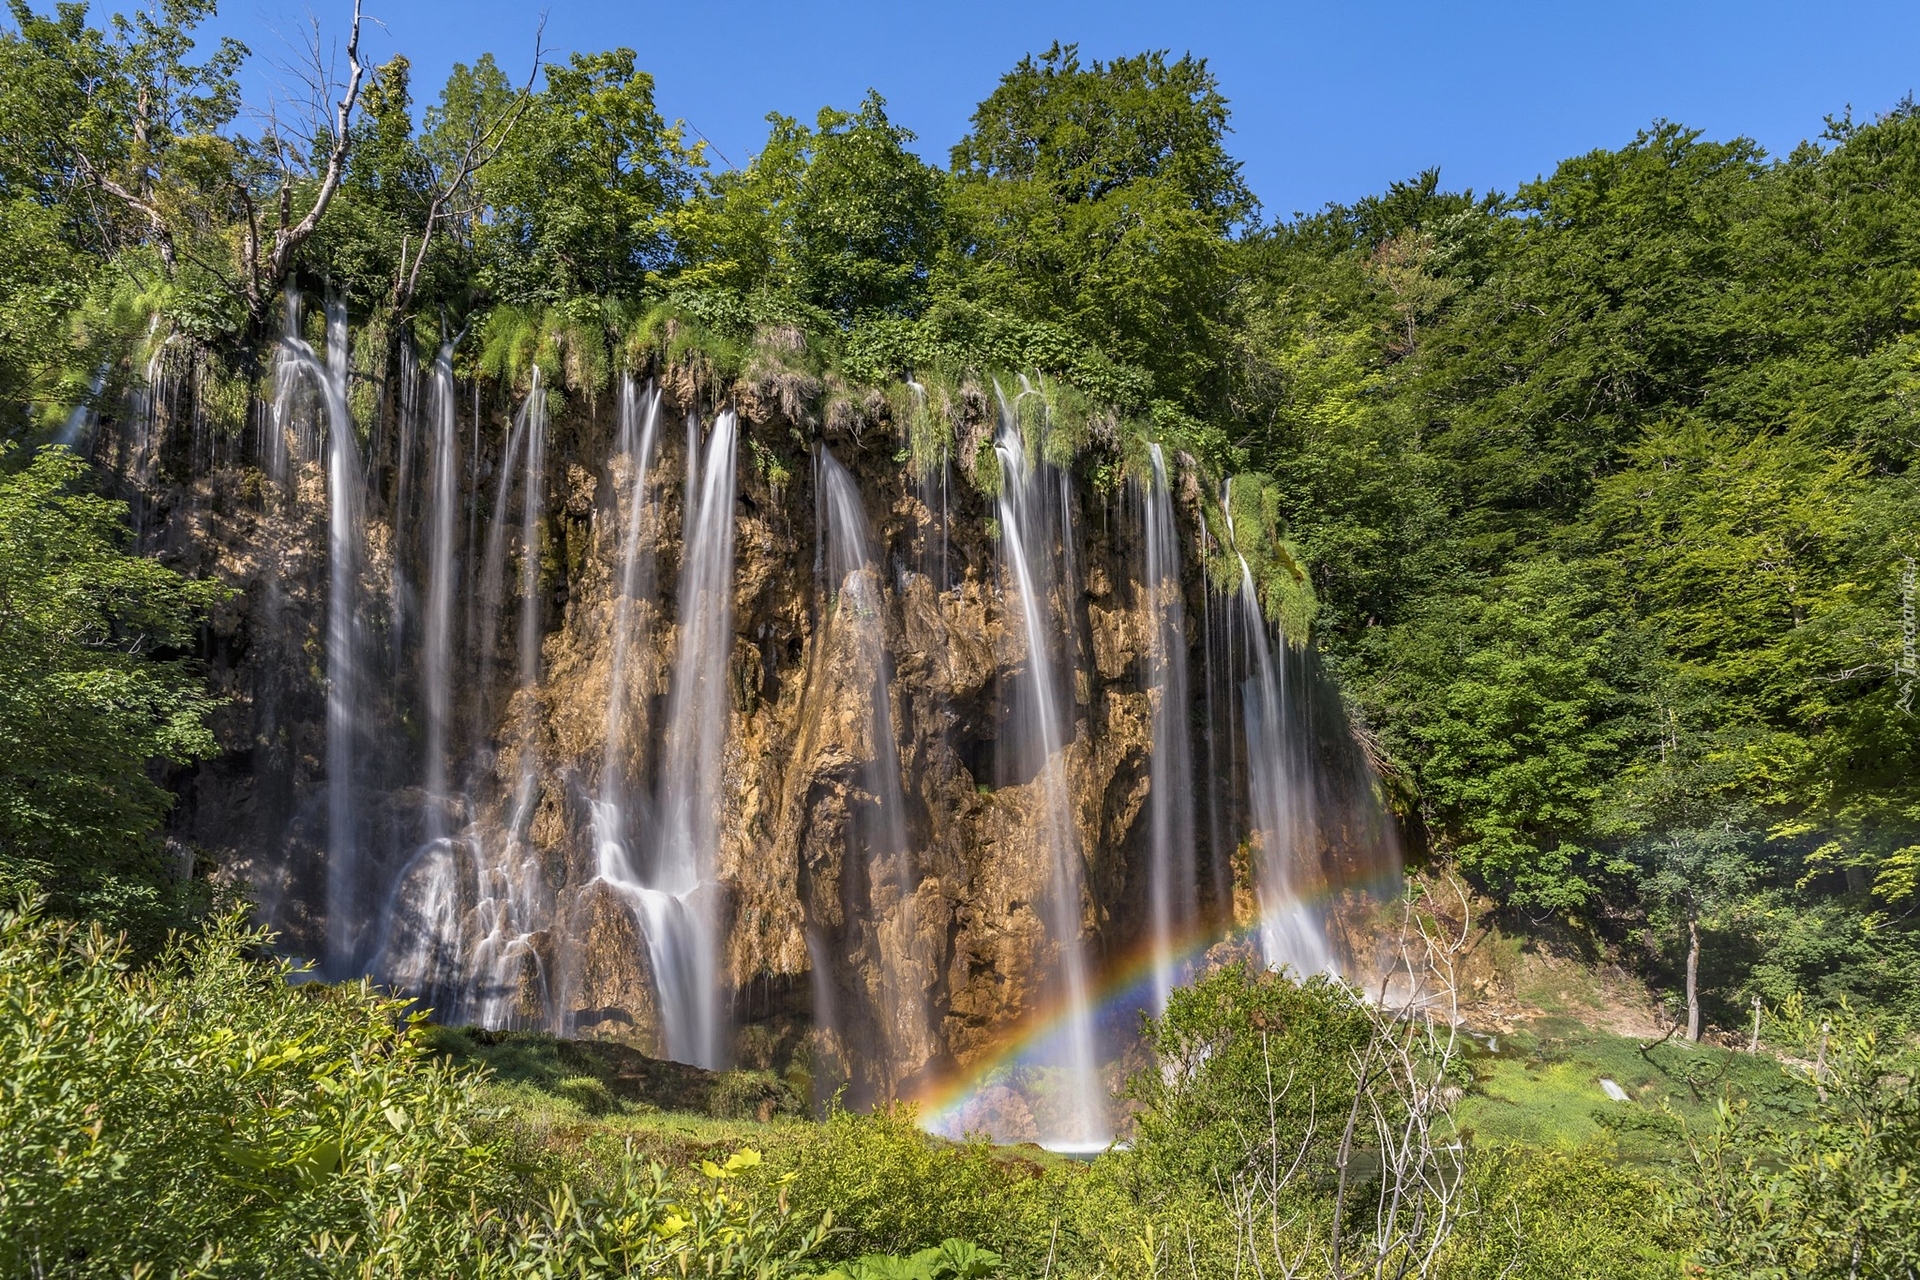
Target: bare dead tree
x,y
1401,1114
484,144
266,267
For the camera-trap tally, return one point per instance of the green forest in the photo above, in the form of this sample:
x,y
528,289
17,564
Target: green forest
x,y
1594,497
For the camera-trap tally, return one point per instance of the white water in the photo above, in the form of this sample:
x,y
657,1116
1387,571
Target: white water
x,y
1172,908
877,825
82,418
669,929
513,899
485,620
1023,520
639,416
676,902
459,926
1280,790
436,659
401,601
287,369
345,520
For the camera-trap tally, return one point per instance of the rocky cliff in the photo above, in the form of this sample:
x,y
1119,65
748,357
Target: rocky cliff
x,y
880,955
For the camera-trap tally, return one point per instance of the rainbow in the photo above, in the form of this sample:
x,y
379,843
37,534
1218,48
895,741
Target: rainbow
x,y
1125,992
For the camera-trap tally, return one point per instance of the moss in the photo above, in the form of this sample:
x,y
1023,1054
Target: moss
x,y
671,334
985,471
922,411
223,397
1543,1089
1248,526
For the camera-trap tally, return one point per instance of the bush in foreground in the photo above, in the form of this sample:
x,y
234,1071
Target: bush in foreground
x,y
206,1116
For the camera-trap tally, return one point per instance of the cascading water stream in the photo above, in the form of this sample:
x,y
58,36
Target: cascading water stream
x,y
513,900
493,564
876,825
1024,519
1171,874
345,505
459,923
639,416
436,658
401,601
1280,791
287,369
676,902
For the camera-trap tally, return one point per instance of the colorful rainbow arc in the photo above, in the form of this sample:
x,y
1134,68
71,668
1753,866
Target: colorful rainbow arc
x,y
1126,989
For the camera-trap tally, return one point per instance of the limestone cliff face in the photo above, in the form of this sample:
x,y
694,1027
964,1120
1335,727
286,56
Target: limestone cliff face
x,y
882,880
893,966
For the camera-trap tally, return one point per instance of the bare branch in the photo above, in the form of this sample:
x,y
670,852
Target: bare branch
x,y
481,150
162,236
287,239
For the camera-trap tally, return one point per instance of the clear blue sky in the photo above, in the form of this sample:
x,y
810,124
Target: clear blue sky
x,y
1330,101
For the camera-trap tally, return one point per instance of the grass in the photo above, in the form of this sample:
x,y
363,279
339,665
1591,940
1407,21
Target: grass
x,y
1542,1089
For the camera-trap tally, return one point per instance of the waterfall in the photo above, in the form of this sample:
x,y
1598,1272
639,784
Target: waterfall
x,y
1281,792
82,418
460,923
533,496
436,657
287,370
676,902
1171,889
345,504
639,415
1023,516
493,563
855,635
400,598
512,892
612,820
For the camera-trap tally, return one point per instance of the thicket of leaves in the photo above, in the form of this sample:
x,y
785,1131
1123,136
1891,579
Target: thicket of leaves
x,y
1600,489
204,1116
93,687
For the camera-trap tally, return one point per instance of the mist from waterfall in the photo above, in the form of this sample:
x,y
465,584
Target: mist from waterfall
x,y
1281,793
1172,905
1024,510
677,900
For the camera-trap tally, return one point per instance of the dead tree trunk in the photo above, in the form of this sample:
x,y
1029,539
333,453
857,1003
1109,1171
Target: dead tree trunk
x,y
1693,979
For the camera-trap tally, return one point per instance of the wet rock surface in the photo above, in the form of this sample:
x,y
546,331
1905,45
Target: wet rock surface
x,y
883,970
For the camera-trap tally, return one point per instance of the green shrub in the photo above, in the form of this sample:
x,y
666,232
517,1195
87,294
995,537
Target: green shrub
x,y
753,1095
647,1226
949,1260
591,1095
893,1189
1545,1215
1237,1037
205,1116
204,1109
1839,1197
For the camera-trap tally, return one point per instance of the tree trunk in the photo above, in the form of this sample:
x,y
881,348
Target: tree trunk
x,y
1693,980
